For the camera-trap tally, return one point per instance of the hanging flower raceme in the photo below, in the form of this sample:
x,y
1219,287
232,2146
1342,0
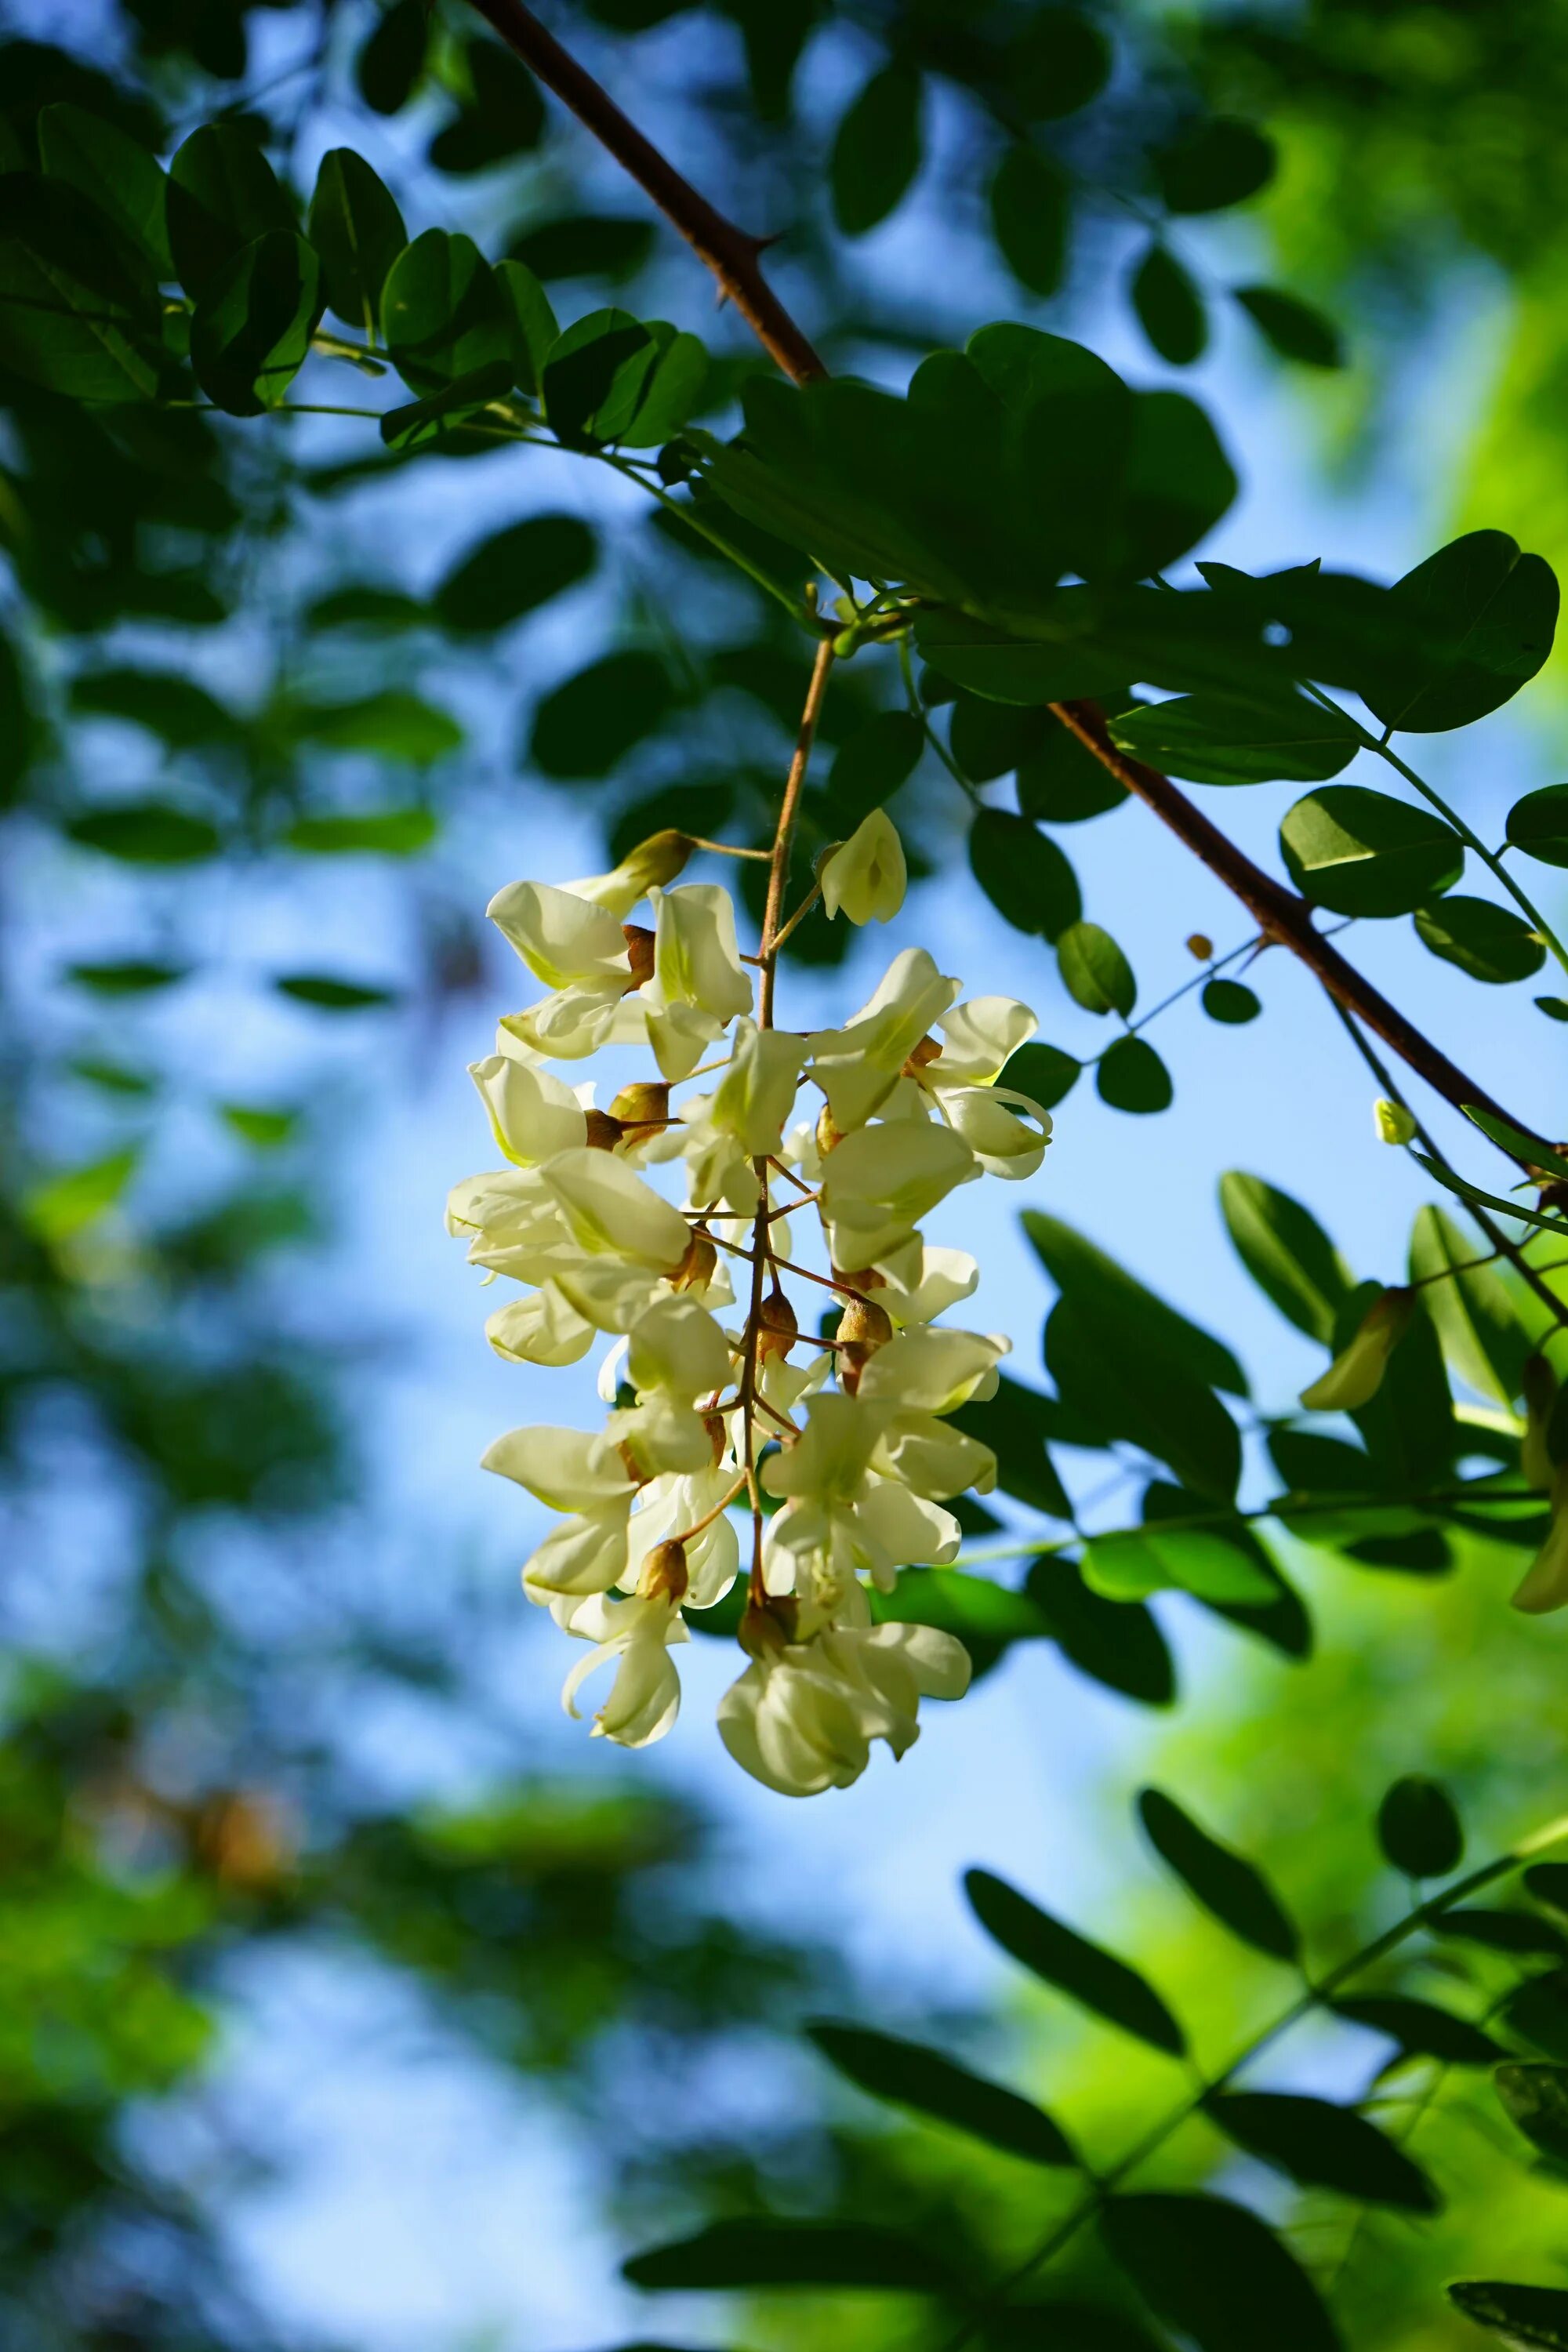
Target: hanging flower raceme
x,y
642,1224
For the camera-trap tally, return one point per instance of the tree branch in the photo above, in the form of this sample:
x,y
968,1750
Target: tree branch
x,y
732,256
730,253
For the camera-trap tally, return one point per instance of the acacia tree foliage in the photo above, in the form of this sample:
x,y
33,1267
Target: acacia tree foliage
x,y
1001,557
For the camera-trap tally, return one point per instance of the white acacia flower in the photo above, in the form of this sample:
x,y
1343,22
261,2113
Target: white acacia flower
x,y
635,1635
563,939
859,1065
979,1038
879,1182
804,1719
585,1479
610,1209
1002,1143
920,1282
677,1347
542,1328
865,877
533,1113
666,1507
757,1092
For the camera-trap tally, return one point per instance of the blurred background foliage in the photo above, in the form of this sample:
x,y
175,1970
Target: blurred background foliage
x,y
225,664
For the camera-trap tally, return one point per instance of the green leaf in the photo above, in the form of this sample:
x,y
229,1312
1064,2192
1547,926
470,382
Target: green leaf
x,y
1554,1007
112,170
146,832
1478,618
1030,216
876,151
514,572
1169,306
533,324
1362,853
1536,2096
1094,1979
586,726
444,314
1224,1884
1043,1073
596,376
1230,1001
176,709
1131,1319
1119,1644
1471,1305
389,832
393,724
253,323
1538,2013
1220,163
989,739
1023,873
357,230
265,1130
614,246
1322,2145
131,976
1286,1251
1418,1828
1291,327
911,2075
673,392
1488,941
364,604
66,1205
1539,825
223,194
1095,971
79,309
503,117
114,1077
1420,2028
1214,2272
1015,1424
1520,1146
1062,782
393,59
1129,1076
1548,1882
1216,738
763,2253
870,765
985,1617
1145,1398
1272,1611
1056,64
1133,1562
331,995
1477,1199
1533,2316
1517,1932
447,410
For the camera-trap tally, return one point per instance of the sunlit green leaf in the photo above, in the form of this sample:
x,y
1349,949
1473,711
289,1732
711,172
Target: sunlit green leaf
x,y
391,832
1488,941
1362,853
66,1205
1169,306
1217,739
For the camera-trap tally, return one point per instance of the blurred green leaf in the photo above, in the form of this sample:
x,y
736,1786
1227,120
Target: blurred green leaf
x,y
115,171
1131,1319
1062,782
167,704
393,724
1114,1642
266,1130
514,572
1322,2145
1418,1828
1055,63
911,2075
1218,164
1215,2273
78,308
1015,1423
1030,217
1291,327
389,832
1133,1562
870,765
331,995
1063,1958
1233,1889
503,117
764,2253
1286,1253
1421,2028
128,977
66,1205
392,59
1532,2315
876,149
1230,1001
1170,308
146,832
613,247
1471,1305
586,726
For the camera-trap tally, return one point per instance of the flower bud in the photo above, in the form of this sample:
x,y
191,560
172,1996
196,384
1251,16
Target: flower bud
x,y
695,1270
828,1133
644,1106
865,877
665,1573
1356,1373
718,1434
604,1130
1394,1123
1545,1583
652,862
779,1326
922,1055
1200,945
863,1328
1540,1386
639,942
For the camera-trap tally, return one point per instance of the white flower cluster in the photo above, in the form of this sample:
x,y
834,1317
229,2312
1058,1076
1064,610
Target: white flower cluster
x,y
717,1404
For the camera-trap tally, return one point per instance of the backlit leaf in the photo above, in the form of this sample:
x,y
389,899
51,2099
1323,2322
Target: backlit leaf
x,y
1233,1889
1362,853
1215,739
1215,2273
1539,825
1418,1828
1023,873
1095,971
357,230
253,323
1064,1958
1488,941
1322,2145
911,2075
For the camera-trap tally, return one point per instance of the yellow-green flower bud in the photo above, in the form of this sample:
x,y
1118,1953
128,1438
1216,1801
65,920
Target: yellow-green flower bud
x,y
1394,1123
1545,1583
1539,1385
1356,1373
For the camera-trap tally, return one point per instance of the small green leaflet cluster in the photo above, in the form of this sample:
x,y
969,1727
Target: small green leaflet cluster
x,y
1205,2265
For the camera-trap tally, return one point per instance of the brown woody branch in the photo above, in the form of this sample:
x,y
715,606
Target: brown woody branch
x,y
732,256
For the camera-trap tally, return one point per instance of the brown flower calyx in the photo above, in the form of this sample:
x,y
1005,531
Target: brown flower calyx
x,y
695,1270
639,942
828,1132
778,1325
718,1434
924,1054
863,1328
644,1106
864,1278
603,1131
664,1573
768,1627
634,1469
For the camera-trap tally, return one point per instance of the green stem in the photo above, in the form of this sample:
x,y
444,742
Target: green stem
x,y
1472,840
633,472
918,712
1316,1996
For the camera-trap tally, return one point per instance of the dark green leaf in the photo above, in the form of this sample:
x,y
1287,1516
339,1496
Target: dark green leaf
x,y
1230,1001
1519,1145
1488,941
1539,825
1220,163
1062,782
1471,1305
1538,2013
1215,739
1215,2273
586,245
1030,211
1064,1958
330,995
1129,1076
586,726
253,323
1554,1007
1129,1317
357,230
174,708
1133,1562
911,2075
1520,1932
1023,873
130,977
1477,620
446,411
870,765
876,150
1015,1424
1548,1882
596,376
1323,2147
673,391
514,572
444,314
393,725
989,739
982,1615
390,832
264,1130
1095,971
146,832
1237,1893
763,2253
115,172
79,308
533,326
1362,853
504,116
1056,64
1421,2028
362,605
1119,1644
1291,327
1170,308
1532,2315
1043,1073
223,195
393,59
1419,1830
